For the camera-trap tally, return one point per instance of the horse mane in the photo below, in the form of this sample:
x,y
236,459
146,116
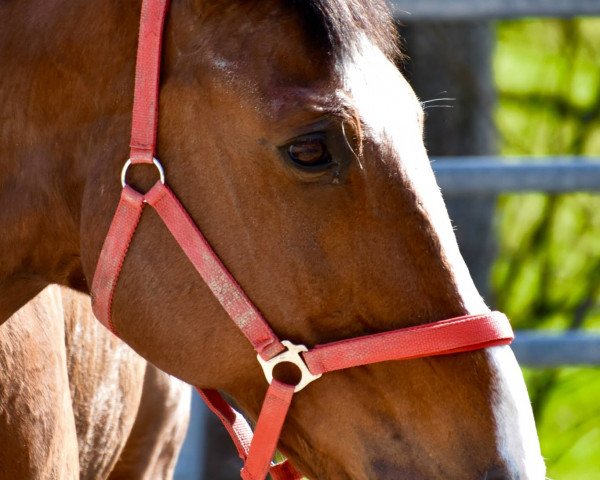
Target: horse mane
x,y
336,25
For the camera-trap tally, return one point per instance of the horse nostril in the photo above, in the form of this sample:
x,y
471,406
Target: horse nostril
x,y
498,473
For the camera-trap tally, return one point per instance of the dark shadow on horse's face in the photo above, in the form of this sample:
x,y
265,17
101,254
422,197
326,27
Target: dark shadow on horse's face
x,y
305,169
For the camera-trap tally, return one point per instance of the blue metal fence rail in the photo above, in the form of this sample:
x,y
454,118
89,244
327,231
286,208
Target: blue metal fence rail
x,y
414,10
543,349
485,175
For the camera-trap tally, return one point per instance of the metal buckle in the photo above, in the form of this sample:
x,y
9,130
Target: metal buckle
x,y
291,355
159,167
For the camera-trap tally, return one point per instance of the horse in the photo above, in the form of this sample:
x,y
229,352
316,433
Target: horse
x,y
296,146
76,402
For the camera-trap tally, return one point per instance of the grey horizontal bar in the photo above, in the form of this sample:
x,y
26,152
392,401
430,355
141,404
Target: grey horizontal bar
x,y
485,175
542,349
407,10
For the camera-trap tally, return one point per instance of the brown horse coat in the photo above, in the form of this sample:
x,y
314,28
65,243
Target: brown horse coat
x,y
76,402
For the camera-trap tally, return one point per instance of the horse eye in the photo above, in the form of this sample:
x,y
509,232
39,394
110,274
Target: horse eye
x,y
309,153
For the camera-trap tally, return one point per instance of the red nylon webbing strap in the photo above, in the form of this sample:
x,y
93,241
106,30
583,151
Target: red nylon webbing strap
x,y
112,256
114,250
147,77
270,422
285,471
461,334
221,283
235,424
241,433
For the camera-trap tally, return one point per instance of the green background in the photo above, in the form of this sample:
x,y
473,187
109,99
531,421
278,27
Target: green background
x,y
547,275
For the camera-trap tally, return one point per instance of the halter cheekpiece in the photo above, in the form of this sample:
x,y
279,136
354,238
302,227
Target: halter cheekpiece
x,y
454,335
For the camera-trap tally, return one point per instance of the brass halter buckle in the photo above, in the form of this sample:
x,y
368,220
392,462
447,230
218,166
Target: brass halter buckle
x,y
291,355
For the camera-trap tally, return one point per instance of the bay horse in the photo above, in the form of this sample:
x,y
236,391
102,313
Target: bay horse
x,y
76,402
296,146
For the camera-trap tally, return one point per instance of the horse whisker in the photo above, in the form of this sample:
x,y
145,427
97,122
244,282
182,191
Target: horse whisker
x,y
449,99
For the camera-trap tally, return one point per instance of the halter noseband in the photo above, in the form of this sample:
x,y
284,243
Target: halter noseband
x,y
462,334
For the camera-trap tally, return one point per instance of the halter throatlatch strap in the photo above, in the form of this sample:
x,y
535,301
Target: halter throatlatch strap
x,y
268,429
455,335
114,250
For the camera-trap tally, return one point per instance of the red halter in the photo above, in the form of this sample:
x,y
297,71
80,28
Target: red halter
x,y
455,335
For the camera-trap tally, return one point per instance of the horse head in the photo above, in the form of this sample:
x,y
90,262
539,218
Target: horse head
x,y
296,145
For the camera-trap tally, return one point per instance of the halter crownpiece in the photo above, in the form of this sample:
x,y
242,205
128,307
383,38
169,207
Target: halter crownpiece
x,y
462,334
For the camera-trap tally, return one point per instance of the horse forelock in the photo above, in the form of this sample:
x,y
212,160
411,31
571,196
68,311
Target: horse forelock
x,y
331,26
337,25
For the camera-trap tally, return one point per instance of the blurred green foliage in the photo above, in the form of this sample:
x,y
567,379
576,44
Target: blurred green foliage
x,y
548,271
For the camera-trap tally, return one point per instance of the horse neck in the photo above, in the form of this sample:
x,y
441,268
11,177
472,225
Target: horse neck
x,y
65,92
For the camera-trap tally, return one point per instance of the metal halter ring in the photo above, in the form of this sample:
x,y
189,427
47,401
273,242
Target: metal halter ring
x,y
159,167
291,355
